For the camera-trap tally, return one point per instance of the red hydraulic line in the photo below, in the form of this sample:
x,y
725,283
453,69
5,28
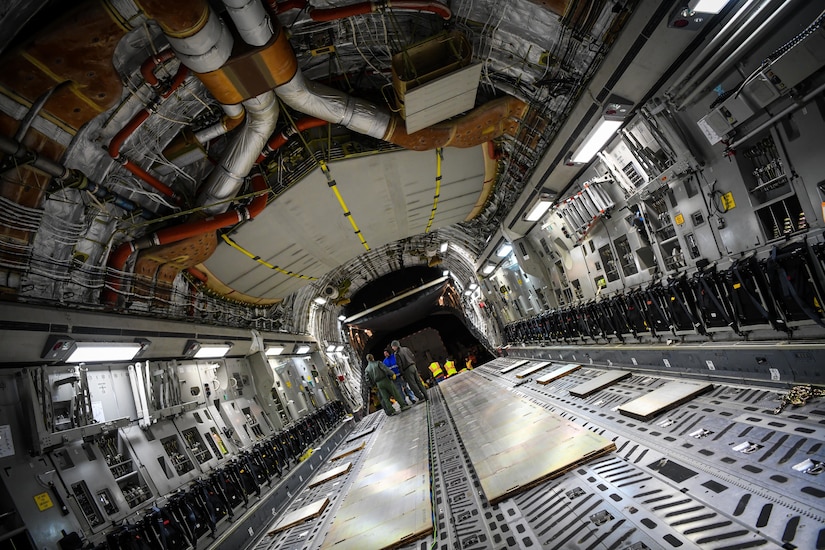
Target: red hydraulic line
x,y
136,122
363,8
177,81
147,68
118,258
278,140
197,274
280,7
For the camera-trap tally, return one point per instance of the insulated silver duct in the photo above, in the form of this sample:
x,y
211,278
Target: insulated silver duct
x,y
334,106
206,50
225,180
251,20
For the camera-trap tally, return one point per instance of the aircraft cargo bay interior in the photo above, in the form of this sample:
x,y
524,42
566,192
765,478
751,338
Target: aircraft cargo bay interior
x,y
420,274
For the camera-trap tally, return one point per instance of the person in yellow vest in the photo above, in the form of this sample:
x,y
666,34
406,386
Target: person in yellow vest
x,y
449,366
435,369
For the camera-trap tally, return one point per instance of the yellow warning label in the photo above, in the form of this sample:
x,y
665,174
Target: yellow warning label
x,y
727,201
288,384
737,285
43,501
679,219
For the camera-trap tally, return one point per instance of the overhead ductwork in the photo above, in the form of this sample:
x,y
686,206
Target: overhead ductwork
x,y
245,78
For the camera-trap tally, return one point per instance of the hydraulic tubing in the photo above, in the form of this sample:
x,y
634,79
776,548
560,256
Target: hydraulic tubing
x,y
748,42
136,122
363,8
118,258
807,98
278,140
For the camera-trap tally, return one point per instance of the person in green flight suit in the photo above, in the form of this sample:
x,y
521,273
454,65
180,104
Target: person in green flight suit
x,y
379,375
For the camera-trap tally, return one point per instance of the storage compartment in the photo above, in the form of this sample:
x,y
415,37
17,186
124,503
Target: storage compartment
x,y
433,80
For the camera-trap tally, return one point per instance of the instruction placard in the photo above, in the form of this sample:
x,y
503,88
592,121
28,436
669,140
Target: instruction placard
x,y
6,442
43,501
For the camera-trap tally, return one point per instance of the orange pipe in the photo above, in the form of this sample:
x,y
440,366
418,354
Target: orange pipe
x,y
137,121
277,141
197,274
117,259
147,68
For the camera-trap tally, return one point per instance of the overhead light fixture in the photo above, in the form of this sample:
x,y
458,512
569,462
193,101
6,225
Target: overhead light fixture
x,y
707,6
274,350
96,352
489,268
506,248
320,300
538,210
339,348
301,349
342,318
445,273
595,140
198,350
444,247
61,348
330,348
614,113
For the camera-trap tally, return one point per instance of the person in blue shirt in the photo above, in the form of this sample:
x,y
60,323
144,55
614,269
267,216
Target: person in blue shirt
x,y
403,387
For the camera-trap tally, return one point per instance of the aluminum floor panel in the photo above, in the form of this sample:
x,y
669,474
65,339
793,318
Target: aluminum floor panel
x,y
599,383
388,503
512,443
663,399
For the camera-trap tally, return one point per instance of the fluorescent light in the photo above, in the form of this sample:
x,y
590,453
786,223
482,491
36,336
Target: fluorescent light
x,y
595,140
445,273
473,286
707,6
330,348
274,350
444,247
212,351
489,268
320,300
339,348
538,210
505,249
301,349
91,352
342,317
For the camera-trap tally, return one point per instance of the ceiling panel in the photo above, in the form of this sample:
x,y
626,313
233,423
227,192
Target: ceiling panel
x,y
305,231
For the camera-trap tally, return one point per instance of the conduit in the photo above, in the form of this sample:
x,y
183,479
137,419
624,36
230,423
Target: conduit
x,y
439,155
263,262
278,140
147,68
118,258
362,8
137,121
62,175
751,38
